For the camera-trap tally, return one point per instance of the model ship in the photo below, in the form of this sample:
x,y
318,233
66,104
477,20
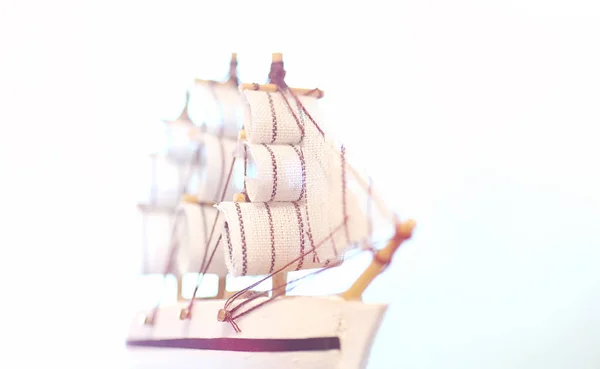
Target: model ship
x,y
301,207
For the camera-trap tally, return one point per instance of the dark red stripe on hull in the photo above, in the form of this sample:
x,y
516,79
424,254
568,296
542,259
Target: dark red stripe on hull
x,y
243,344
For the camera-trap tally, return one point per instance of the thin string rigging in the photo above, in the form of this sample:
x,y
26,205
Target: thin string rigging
x,y
228,315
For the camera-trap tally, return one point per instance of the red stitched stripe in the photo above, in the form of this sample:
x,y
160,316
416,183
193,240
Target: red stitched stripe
x,y
243,234
300,154
344,205
272,232
273,116
229,245
301,229
274,163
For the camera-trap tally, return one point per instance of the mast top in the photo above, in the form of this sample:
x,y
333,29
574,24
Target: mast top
x,y
277,72
184,114
276,57
233,69
277,81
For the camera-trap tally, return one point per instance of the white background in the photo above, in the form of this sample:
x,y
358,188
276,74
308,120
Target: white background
x,y
479,119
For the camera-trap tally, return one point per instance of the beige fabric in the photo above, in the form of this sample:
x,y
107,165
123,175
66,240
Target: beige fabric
x,y
331,215
271,121
279,173
209,177
155,253
252,249
181,146
193,224
164,181
220,107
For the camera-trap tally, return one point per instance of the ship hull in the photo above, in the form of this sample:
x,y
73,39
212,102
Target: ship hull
x,y
289,332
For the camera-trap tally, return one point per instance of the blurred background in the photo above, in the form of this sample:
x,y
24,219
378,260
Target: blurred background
x,y
482,119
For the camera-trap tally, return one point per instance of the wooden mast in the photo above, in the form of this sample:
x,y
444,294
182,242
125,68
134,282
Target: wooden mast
x,y
276,83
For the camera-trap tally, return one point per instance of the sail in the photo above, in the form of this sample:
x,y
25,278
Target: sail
x,y
280,173
156,229
209,174
167,180
218,108
192,230
194,158
299,198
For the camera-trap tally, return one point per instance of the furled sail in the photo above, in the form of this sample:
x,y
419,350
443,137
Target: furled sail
x,y
195,160
157,232
192,230
209,176
218,108
168,180
180,144
299,198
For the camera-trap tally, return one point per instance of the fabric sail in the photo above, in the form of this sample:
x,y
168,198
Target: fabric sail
x,y
299,198
217,112
192,231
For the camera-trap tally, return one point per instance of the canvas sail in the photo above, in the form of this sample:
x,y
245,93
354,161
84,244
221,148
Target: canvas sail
x,y
198,150
190,239
299,197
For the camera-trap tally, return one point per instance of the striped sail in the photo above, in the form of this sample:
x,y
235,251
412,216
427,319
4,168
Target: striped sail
x,y
191,236
298,197
219,109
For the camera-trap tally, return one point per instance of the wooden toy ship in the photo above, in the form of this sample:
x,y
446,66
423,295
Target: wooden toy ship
x,y
300,205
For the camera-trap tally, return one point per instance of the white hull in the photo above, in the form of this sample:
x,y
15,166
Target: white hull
x,y
333,333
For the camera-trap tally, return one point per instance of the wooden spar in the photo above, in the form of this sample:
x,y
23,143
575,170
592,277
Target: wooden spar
x,y
277,81
271,87
381,259
193,199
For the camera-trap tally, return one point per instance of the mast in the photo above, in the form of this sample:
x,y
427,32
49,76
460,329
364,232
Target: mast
x,y
184,117
233,78
284,153
197,204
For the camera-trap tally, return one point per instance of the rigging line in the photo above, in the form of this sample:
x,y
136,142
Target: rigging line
x,y
203,272
231,318
196,157
360,251
241,314
300,124
306,112
210,237
227,314
378,202
173,248
319,244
